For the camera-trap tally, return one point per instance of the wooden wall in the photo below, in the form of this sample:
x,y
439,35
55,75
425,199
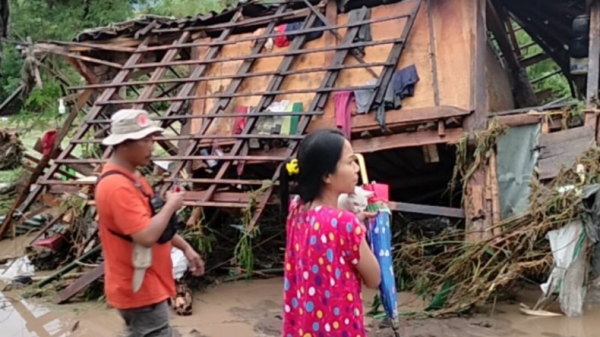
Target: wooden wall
x,y
440,41
500,97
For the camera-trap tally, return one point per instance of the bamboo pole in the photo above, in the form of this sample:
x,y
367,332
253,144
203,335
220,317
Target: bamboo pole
x,y
496,209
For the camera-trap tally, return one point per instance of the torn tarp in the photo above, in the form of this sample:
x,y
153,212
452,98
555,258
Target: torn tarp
x,y
568,246
517,157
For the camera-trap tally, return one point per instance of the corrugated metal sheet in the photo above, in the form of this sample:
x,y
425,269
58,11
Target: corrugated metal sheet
x,y
129,28
249,10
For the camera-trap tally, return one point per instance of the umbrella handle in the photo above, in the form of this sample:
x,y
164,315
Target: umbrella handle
x,y
363,168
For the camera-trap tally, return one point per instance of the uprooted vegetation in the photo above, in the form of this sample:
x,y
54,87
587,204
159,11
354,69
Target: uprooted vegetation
x,y
457,274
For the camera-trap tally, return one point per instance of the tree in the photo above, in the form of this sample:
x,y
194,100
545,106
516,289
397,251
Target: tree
x,y
63,20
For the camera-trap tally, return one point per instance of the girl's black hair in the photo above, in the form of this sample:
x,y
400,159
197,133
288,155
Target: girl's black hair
x,y
318,155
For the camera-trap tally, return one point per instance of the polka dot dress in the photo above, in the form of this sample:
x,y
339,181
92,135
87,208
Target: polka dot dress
x,y
322,288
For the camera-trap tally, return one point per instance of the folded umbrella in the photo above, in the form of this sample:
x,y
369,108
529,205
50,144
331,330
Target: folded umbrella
x,y
380,240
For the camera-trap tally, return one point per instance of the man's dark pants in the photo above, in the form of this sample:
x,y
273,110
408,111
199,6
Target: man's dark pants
x,y
149,321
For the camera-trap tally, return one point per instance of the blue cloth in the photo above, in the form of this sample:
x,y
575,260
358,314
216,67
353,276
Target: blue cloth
x,y
404,81
309,36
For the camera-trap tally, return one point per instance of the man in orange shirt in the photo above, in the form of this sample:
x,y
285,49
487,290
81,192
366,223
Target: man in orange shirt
x,y
127,219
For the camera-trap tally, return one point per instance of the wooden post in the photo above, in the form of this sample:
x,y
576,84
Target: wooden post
x,y
594,56
496,211
593,66
476,218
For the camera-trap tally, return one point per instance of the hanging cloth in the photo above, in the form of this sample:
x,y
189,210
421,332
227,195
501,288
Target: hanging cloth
x,y
343,114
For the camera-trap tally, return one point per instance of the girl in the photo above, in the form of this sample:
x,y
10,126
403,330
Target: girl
x,y
327,255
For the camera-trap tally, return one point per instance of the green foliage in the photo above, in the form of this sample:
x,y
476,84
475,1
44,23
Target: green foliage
x,y
181,8
63,20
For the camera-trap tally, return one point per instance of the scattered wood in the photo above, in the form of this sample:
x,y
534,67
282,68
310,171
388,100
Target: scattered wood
x,y
79,285
560,149
68,267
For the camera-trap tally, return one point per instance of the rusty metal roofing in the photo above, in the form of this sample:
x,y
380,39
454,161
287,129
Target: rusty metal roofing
x,y
249,10
130,27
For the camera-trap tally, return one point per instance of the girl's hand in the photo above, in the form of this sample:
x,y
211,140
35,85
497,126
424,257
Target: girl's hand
x,y
363,216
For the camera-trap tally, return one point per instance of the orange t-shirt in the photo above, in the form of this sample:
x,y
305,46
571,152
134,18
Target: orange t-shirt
x,y
125,210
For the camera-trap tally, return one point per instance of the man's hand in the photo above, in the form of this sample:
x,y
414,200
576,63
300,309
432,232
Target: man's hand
x,y
196,262
174,199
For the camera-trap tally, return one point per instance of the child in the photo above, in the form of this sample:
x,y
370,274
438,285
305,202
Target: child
x,y
327,255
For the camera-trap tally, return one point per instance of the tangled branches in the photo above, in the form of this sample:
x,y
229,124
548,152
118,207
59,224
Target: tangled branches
x,y
464,274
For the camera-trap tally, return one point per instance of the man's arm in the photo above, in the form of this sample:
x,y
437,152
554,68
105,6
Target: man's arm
x,y
196,262
180,243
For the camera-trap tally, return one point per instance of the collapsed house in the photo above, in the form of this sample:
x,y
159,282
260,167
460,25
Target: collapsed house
x,y
411,83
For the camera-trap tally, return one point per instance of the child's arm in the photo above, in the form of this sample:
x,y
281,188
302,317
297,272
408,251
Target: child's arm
x,y
361,255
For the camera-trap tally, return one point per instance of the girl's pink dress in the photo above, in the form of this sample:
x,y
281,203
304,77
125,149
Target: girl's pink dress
x,y
322,288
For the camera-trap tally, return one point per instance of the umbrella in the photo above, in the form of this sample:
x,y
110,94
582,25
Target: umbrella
x,y
380,240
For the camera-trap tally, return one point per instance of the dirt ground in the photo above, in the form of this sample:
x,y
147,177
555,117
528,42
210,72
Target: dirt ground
x,y
253,309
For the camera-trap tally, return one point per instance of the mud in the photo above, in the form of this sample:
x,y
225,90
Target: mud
x,y
252,309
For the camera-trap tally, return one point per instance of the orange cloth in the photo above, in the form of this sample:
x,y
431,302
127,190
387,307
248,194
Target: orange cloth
x,y
123,209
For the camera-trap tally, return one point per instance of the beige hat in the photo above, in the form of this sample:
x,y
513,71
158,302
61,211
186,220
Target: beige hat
x,y
130,124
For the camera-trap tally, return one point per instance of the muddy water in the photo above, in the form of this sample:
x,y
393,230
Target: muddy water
x,y
252,309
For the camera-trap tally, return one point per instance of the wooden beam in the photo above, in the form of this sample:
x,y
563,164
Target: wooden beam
x,y
547,76
80,284
534,59
519,120
395,118
410,139
448,212
594,57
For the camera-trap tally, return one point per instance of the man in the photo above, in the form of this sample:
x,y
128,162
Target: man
x,y
126,219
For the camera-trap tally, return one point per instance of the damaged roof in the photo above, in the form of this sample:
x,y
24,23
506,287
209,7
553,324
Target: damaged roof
x,y
253,9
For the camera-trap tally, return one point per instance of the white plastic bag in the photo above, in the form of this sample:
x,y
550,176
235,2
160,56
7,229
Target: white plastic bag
x,y
16,268
180,263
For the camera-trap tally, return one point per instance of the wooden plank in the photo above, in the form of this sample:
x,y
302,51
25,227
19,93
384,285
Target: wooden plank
x,y
396,118
80,284
518,120
447,212
562,148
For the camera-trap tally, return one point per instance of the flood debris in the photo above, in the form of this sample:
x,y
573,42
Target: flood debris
x,y
11,150
434,142
458,275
